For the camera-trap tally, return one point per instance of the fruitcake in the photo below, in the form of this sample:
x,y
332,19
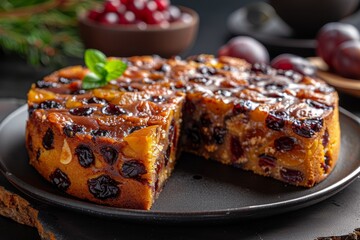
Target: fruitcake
x,y
117,144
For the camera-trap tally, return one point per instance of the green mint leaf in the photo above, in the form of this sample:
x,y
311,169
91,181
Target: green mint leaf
x,y
115,68
92,57
91,80
99,70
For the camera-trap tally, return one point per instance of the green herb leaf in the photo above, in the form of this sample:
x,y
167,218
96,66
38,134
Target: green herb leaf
x,y
115,68
92,57
99,70
91,80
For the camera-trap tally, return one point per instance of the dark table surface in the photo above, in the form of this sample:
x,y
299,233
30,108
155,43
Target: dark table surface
x,y
337,215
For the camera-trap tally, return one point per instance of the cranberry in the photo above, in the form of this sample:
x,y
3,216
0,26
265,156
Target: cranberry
x,y
267,160
109,18
82,111
331,36
128,89
174,13
103,187
60,180
94,14
236,148
71,129
243,106
295,63
307,128
48,139
326,164
317,105
162,4
219,135
292,176
157,99
275,86
100,133
112,109
133,169
155,17
137,7
205,70
95,100
194,135
111,6
65,80
284,144
325,139
48,104
85,155
109,154
44,84
276,120
127,18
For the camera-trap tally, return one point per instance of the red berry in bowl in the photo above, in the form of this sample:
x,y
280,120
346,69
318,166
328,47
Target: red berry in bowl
x,y
330,36
127,18
111,5
109,18
156,17
137,7
247,48
293,62
162,4
94,14
174,13
346,60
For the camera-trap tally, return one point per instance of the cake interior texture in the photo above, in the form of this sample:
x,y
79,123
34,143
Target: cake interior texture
x,y
116,145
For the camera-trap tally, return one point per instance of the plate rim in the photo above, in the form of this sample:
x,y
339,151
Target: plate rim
x,y
144,215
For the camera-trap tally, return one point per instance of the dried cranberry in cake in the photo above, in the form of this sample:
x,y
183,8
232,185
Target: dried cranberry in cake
x,y
200,80
325,139
44,84
60,180
205,70
100,133
316,104
157,99
307,128
219,135
112,109
109,154
205,120
275,86
291,176
261,68
236,148
267,160
49,104
71,129
64,80
193,134
276,120
133,169
48,139
103,187
326,164
85,155
163,68
243,106
82,111
284,144
95,100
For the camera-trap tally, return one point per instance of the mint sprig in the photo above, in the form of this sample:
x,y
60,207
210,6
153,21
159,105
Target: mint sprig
x,y
101,69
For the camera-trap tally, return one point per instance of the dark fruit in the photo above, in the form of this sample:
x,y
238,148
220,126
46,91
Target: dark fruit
x,y
157,99
109,154
284,144
194,135
85,155
113,109
48,139
100,133
267,160
292,176
45,84
293,62
276,120
325,139
206,70
60,180
133,169
346,60
316,104
246,48
236,148
71,129
331,36
307,128
82,111
103,187
95,100
219,135
205,120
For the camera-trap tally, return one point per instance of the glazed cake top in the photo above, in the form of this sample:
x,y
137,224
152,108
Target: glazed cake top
x,y
151,85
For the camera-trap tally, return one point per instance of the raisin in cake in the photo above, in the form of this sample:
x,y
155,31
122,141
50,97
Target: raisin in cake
x,y
117,144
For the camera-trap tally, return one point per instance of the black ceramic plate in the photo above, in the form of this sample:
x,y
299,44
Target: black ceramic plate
x,y
198,190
